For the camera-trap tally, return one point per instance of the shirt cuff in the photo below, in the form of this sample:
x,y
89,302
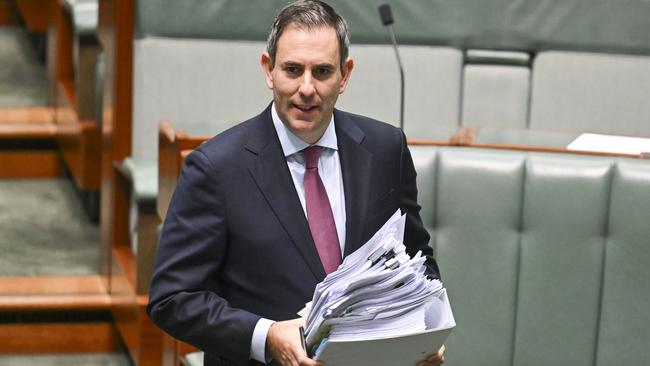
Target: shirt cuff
x,y
258,342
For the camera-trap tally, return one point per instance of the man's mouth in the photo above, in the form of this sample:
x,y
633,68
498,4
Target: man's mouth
x,y
305,107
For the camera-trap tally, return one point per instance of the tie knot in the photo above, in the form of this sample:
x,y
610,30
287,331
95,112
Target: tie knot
x,y
311,154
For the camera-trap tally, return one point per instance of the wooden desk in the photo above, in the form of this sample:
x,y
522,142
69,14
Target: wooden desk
x,y
523,140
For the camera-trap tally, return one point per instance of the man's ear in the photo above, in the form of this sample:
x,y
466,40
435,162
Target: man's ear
x,y
267,68
345,72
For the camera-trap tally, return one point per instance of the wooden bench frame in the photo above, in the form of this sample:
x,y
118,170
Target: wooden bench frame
x,y
142,338
70,94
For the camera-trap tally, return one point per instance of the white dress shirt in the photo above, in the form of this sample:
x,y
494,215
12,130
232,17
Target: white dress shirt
x,y
329,170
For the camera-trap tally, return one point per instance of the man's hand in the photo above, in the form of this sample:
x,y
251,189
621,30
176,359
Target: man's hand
x,y
434,359
284,344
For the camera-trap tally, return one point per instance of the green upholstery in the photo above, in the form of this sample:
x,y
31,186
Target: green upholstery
x,y
590,92
143,175
623,329
527,25
84,15
545,256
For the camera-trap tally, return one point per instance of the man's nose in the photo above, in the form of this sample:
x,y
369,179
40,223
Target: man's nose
x,y
306,88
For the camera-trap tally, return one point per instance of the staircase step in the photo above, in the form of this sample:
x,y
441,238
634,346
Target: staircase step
x,y
28,143
29,119
57,314
55,293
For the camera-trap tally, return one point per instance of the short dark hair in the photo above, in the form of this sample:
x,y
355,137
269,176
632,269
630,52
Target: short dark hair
x,y
309,14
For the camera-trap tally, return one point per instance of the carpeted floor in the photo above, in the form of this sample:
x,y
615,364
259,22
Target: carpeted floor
x,y
44,231
108,359
23,79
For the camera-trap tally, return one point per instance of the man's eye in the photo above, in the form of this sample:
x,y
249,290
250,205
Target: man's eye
x,y
322,71
291,70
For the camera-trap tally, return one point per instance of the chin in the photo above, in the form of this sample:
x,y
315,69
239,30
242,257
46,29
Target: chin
x,y
303,125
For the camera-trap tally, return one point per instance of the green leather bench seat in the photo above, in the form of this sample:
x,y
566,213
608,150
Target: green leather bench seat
x,y
545,256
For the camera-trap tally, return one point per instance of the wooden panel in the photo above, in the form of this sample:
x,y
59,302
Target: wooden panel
x,y
53,293
115,33
30,164
27,131
80,146
64,41
33,123
66,102
123,272
468,141
26,115
85,78
174,350
55,302
148,223
90,155
51,285
35,13
79,140
58,338
469,137
7,16
171,144
168,167
142,338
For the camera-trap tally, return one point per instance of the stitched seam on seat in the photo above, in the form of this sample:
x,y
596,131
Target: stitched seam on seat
x,y
608,218
524,176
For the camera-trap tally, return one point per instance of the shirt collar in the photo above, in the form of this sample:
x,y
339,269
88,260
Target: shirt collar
x,y
291,143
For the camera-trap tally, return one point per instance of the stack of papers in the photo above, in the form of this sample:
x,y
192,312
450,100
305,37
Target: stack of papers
x,y
379,296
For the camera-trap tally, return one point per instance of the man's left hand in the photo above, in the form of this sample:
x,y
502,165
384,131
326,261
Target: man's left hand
x,y
434,359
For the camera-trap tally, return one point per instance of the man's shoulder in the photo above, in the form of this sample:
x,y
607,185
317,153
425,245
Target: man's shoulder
x,y
229,146
371,129
234,137
365,122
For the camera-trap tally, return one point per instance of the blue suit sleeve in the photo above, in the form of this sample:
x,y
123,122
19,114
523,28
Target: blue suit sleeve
x,y
184,295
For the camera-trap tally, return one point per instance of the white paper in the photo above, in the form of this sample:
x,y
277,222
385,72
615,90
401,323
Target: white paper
x,y
610,144
378,307
390,351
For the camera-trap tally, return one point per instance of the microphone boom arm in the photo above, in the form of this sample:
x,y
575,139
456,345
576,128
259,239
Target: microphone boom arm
x,y
391,32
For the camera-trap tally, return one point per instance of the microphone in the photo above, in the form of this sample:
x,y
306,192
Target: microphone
x,y
386,15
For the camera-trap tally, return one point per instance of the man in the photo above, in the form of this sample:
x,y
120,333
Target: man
x,y
260,215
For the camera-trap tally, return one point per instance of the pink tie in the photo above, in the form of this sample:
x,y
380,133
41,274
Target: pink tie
x,y
319,213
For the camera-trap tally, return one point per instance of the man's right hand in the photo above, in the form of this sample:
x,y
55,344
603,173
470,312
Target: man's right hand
x,y
284,344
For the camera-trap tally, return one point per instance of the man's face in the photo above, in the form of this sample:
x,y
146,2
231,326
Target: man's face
x,y
306,79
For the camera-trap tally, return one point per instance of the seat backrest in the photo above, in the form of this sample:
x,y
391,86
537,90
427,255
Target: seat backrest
x,y
215,84
589,92
496,89
432,94
204,85
540,252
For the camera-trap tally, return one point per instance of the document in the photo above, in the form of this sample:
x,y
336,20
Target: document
x,y
611,144
378,307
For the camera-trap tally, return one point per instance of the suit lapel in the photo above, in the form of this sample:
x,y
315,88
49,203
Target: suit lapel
x,y
356,167
270,172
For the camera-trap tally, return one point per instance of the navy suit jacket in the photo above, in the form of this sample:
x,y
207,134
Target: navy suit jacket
x,y
236,244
